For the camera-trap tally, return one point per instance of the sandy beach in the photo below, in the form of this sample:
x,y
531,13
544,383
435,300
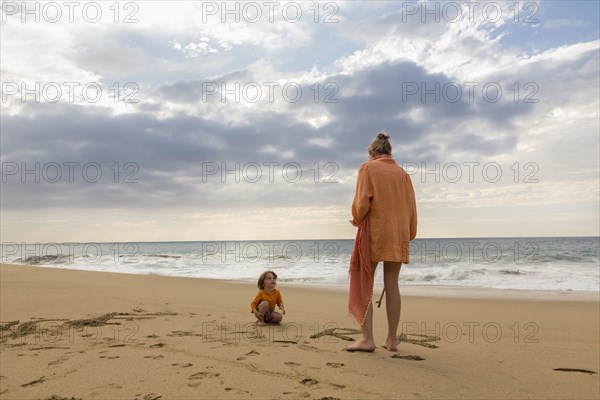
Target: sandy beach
x,y
93,335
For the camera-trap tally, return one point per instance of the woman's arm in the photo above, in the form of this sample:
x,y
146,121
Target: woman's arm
x,y
413,204
363,195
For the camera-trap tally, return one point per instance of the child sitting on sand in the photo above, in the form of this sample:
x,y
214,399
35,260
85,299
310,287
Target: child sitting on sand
x,y
263,305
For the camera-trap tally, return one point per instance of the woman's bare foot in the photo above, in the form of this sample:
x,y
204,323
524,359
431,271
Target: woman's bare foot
x,y
260,323
362,345
390,346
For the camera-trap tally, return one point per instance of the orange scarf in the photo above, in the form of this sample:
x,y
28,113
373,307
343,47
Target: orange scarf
x,y
361,274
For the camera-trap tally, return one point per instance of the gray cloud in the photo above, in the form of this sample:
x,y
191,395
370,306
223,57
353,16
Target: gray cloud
x,y
170,153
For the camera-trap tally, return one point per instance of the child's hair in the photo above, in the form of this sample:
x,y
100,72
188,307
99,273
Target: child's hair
x,y
262,277
381,143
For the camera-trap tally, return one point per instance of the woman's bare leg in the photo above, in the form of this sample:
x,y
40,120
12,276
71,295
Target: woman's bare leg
x,y
391,272
367,343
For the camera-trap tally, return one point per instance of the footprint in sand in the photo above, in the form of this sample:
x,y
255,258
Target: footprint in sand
x,y
585,371
151,396
423,340
35,382
199,376
114,385
250,353
308,348
340,333
153,346
203,374
309,382
58,361
180,333
187,365
409,357
49,348
239,392
292,364
183,333
335,365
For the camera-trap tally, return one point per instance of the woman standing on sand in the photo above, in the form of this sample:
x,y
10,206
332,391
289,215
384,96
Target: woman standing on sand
x,y
385,212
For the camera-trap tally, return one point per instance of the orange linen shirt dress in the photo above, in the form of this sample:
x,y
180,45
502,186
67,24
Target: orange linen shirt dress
x,y
385,194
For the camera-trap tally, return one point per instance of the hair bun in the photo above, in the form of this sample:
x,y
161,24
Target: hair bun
x,y
381,144
383,136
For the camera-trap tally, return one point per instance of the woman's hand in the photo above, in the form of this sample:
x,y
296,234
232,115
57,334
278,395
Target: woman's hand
x,y
353,223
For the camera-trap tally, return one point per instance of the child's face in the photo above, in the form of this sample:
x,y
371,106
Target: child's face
x,y
270,281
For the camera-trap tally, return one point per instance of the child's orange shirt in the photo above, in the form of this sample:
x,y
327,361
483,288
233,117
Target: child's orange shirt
x,y
273,298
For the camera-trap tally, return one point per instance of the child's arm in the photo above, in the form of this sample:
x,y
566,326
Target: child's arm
x,y
280,302
255,302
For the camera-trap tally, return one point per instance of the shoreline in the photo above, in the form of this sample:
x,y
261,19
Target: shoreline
x,y
96,335
439,291
469,292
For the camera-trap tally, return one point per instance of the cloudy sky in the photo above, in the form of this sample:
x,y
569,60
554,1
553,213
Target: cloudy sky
x,y
168,121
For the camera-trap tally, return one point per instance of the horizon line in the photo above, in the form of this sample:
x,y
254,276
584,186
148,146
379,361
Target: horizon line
x,y
301,240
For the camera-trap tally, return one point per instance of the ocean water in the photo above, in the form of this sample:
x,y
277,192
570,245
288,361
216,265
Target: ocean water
x,y
568,263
